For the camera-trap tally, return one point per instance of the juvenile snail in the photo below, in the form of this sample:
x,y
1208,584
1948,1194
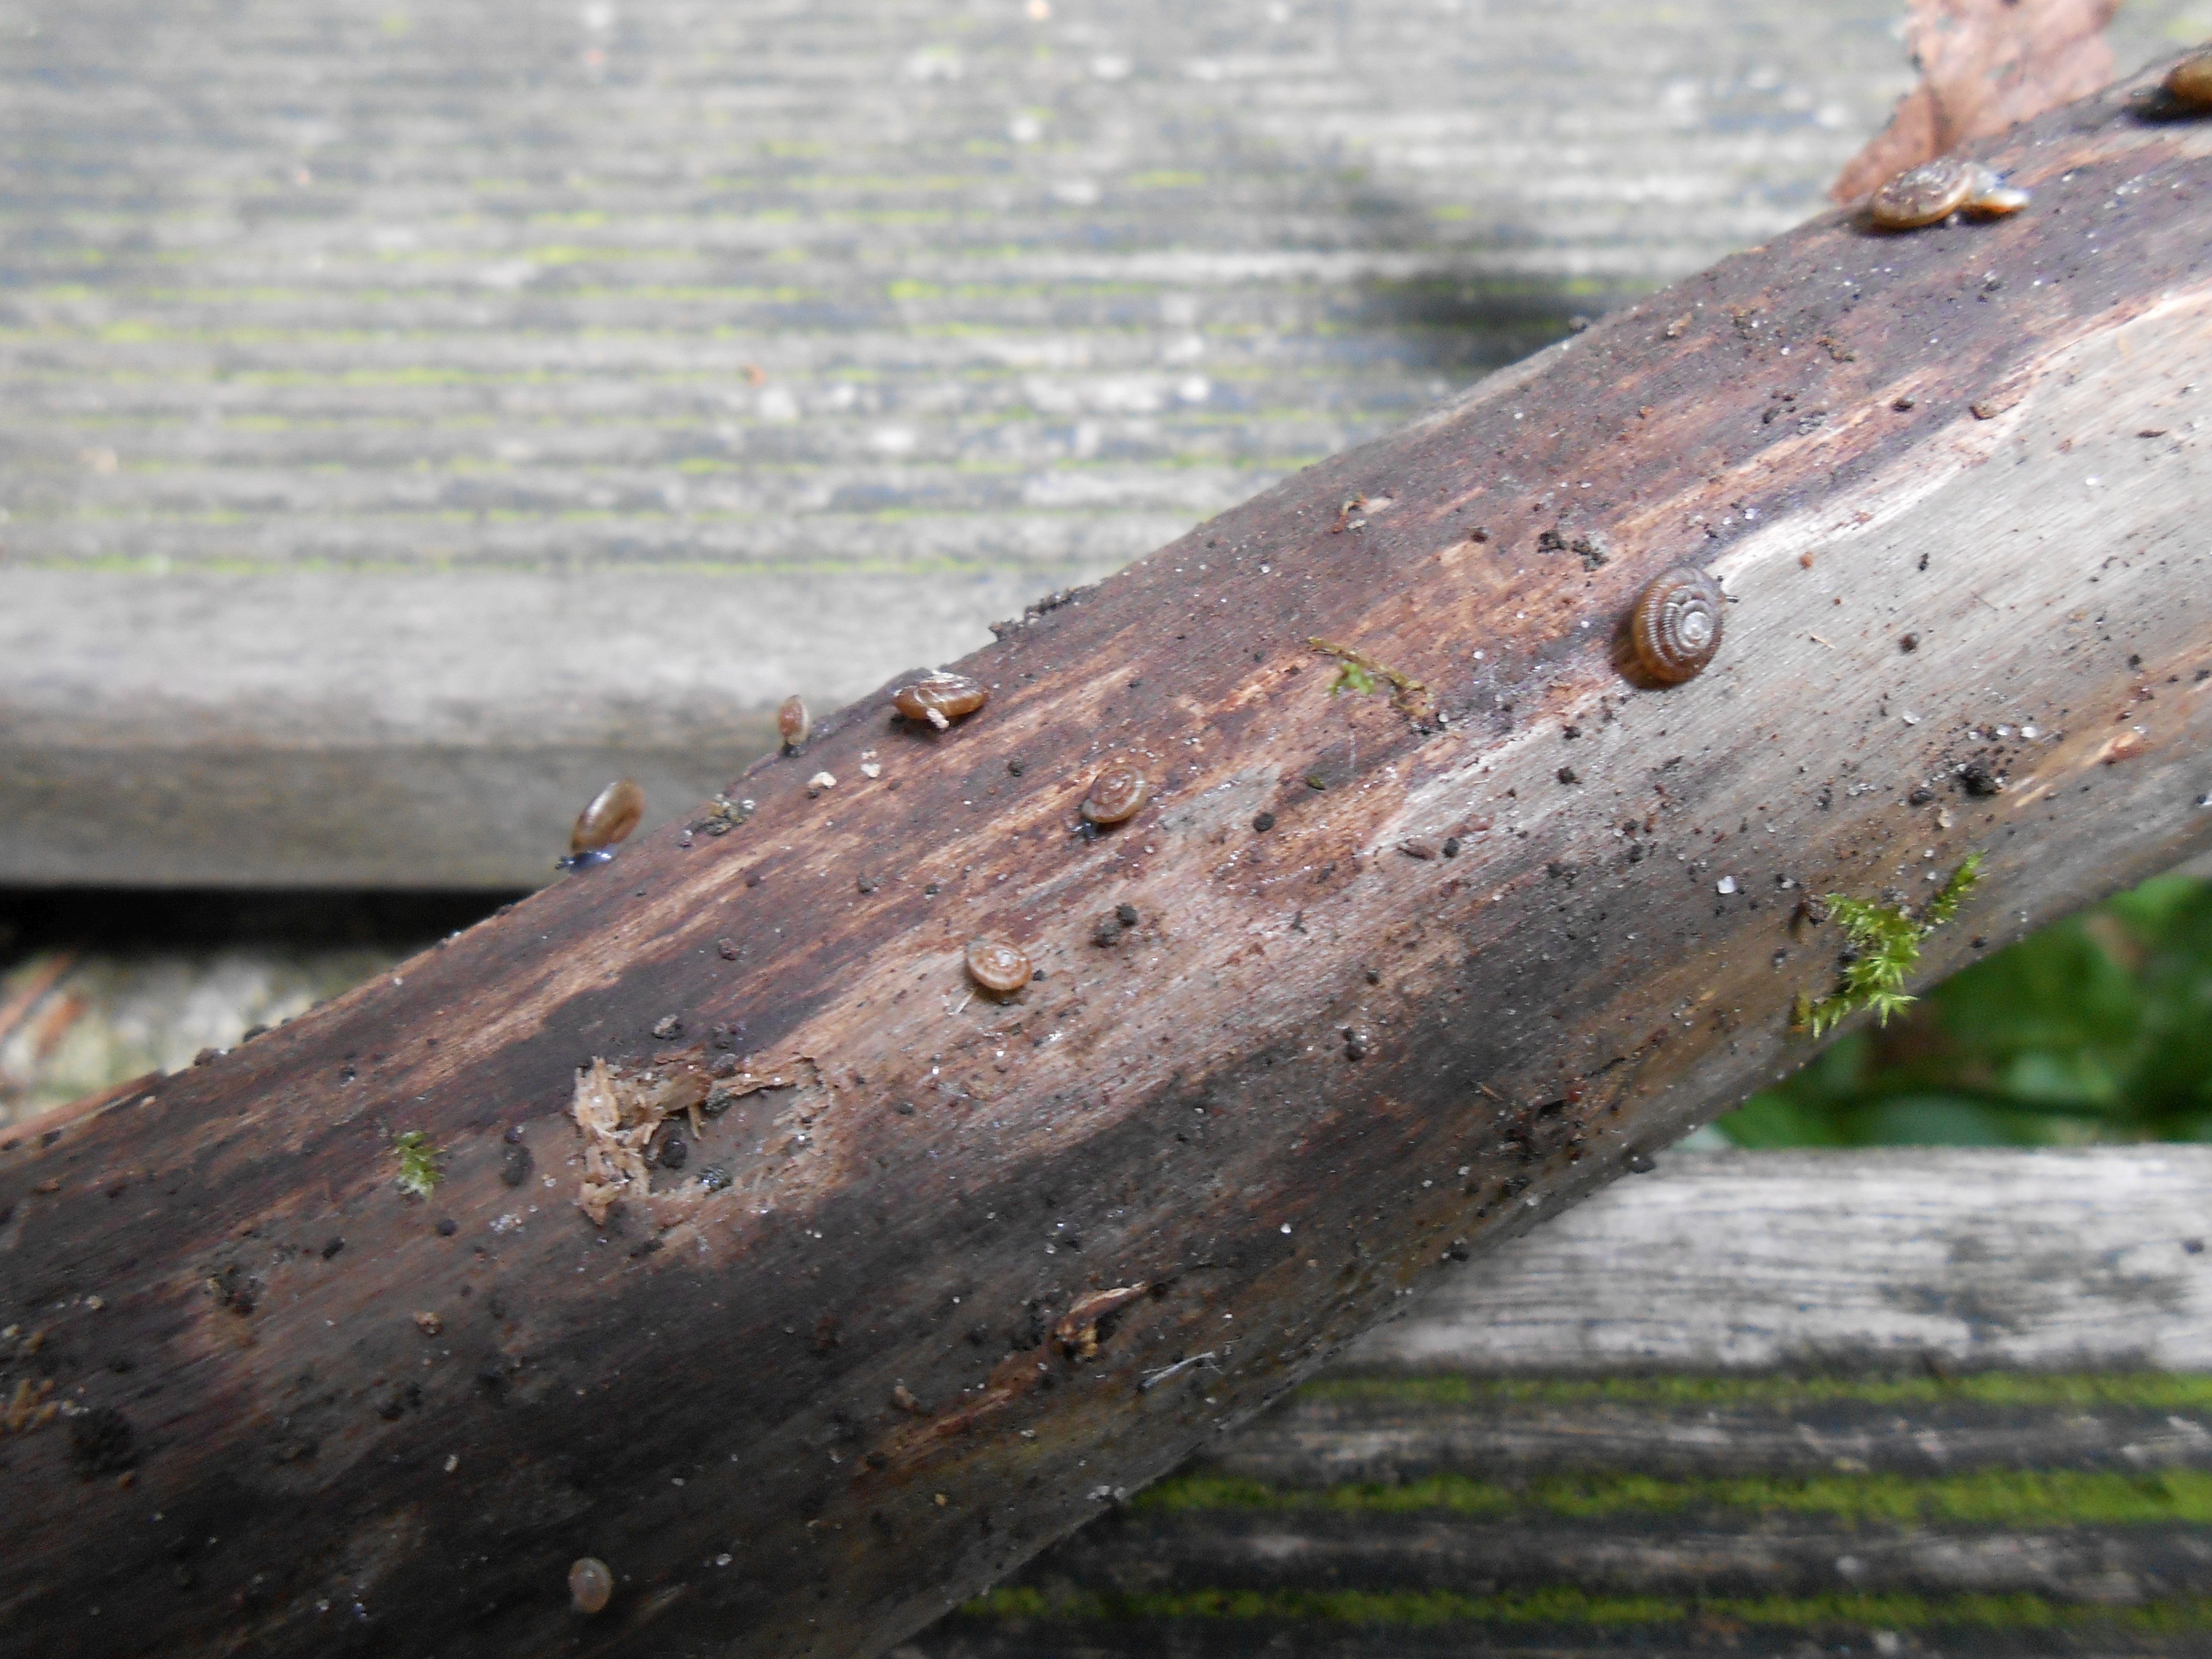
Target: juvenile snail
x,y
1676,627
1935,189
1116,793
591,1583
2190,80
940,698
997,966
793,722
612,814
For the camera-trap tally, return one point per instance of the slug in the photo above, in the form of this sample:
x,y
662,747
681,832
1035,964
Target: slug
x,y
1676,627
1935,189
612,814
940,698
1116,793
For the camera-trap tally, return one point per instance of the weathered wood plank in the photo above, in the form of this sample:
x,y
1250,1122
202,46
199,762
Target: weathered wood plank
x,y
863,323
1320,1063
1903,1504
1970,1259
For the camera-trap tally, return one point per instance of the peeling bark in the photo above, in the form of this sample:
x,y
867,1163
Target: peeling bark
x,y
964,1269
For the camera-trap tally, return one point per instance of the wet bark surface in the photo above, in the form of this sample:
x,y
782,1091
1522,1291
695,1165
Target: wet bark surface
x,y
1409,969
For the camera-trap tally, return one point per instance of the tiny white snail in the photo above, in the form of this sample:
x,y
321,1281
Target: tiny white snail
x,y
591,1583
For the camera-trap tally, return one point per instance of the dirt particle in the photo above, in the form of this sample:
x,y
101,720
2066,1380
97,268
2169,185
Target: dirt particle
x,y
1263,822
1107,932
102,1442
514,1167
429,1323
1451,846
667,1028
448,1227
725,949
1566,774
331,1247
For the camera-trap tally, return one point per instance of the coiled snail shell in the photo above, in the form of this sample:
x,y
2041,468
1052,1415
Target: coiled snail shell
x,y
591,1583
997,966
1675,627
1935,189
1116,793
612,814
940,698
793,722
2190,80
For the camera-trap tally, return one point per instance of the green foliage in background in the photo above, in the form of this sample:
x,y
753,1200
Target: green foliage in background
x,y
2098,1028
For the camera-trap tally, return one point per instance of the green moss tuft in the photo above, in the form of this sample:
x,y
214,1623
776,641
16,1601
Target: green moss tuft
x,y
419,1174
1885,940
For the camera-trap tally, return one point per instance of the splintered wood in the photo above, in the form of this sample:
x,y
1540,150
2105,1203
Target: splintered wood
x,y
617,1118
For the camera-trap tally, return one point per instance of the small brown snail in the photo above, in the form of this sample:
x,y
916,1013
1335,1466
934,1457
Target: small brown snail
x,y
793,722
2190,80
940,698
997,966
591,1583
1935,189
1116,793
1675,627
612,814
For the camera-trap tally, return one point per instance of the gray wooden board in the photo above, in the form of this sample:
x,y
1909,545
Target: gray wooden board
x,y
1806,1401
412,414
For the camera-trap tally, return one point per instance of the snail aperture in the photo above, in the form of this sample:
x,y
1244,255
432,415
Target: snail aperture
x,y
1675,627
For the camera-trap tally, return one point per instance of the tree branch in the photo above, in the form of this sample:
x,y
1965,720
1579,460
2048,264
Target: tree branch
x,y
886,1330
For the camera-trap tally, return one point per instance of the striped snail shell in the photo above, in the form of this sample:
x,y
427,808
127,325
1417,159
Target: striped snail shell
x,y
1675,627
940,698
793,722
1935,189
2190,80
612,815
1116,793
591,1583
997,966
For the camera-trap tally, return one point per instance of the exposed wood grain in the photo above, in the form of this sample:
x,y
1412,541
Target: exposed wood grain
x,y
734,350
1312,1068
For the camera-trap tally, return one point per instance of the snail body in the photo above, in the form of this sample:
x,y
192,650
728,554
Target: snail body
x,y
2189,82
940,698
793,722
591,1583
997,966
1116,793
609,818
1935,189
1675,627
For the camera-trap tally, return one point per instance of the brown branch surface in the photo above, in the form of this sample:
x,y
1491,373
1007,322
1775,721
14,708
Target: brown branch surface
x,y
1985,66
942,1276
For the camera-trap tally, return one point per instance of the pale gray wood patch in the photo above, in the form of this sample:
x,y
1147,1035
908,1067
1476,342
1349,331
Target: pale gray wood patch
x,y
1747,1261
852,320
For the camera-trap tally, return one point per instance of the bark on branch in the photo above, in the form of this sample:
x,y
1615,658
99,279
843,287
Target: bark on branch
x,y
942,1275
